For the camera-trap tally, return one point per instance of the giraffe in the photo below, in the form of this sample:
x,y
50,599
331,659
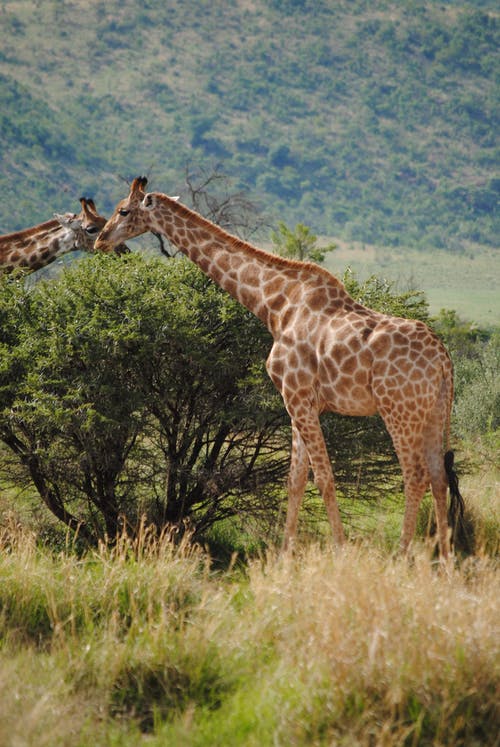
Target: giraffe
x,y
40,245
91,225
329,353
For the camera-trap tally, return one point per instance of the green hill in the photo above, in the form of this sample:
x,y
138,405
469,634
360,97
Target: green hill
x,y
371,121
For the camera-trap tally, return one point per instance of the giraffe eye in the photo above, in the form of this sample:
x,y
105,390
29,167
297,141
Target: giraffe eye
x,y
92,229
124,212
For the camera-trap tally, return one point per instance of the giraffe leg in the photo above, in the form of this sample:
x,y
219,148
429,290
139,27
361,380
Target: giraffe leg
x,y
439,483
309,428
297,480
415,487
416,481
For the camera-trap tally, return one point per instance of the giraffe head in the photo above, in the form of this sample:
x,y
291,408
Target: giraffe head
x,y
92,222
86,226
127,221
73,236
82,229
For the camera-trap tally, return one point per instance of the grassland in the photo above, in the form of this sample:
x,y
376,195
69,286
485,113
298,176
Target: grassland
x,y
468,282
145,643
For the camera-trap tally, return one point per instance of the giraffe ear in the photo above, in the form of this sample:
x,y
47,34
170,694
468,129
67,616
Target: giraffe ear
x,y
88,204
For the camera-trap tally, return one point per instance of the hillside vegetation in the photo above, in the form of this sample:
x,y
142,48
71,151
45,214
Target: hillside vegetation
x,y
375,122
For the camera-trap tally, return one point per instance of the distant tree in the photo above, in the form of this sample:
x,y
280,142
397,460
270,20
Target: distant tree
x,y
300,243
462,337
211,193
476,359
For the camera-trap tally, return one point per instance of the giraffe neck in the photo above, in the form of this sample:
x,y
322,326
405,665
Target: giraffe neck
x,y
35,247
268,285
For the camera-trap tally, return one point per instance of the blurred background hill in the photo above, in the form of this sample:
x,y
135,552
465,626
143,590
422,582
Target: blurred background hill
x,y
370,121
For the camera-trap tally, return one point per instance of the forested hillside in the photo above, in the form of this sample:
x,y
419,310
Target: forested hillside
x,y
371,121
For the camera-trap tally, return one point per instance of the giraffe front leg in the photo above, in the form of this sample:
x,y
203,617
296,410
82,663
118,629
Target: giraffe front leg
x,y
310,432
297,480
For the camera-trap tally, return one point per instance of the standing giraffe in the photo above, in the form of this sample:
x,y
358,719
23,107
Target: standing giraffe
x,y
40,245
330,353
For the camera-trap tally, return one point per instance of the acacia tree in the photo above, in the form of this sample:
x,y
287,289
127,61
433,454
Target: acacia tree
x,y
135,386
214,420
62,413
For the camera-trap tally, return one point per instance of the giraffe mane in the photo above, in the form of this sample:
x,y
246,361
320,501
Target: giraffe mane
x,y
27,232
237,243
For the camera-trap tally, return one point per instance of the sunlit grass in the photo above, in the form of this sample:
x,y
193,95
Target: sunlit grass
x,y
146,643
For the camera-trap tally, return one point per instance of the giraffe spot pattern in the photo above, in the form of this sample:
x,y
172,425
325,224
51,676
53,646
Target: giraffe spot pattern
x,y
331,353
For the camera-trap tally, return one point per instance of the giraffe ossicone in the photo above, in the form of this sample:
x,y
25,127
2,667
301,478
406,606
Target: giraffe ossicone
x,y
329,353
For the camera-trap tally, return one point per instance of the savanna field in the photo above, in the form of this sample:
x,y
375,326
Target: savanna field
x,y
148,642
219,639
144,597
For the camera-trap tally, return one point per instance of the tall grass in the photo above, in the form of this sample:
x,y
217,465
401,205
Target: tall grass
x,y
144,643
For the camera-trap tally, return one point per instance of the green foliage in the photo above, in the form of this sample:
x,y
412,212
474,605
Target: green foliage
x,y
380,294
138,386
477,382
299,244
476,357
371,122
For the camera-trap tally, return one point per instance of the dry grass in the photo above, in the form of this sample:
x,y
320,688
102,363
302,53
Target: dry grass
x,y
143,643
385,648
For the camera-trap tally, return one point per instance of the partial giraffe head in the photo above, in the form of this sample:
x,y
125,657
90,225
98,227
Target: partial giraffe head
x,y
86,227
127,220
92,222
39,245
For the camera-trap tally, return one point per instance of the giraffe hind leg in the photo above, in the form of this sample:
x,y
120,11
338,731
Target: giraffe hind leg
x,y
439,484
416,482
416,478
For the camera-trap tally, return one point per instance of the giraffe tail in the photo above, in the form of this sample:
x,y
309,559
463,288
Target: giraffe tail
x,y
456,510
457,505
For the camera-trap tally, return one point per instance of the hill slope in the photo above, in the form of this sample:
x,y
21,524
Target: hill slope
x,y
371,121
